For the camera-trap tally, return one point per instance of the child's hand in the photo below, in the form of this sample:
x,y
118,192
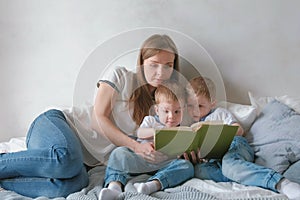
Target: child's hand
x,y
193,157
190,157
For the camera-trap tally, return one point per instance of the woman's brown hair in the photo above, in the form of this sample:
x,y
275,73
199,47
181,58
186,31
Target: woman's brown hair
x,y
142,97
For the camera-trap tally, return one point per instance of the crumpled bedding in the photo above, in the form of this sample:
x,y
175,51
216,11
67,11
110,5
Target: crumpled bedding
x,y
192,189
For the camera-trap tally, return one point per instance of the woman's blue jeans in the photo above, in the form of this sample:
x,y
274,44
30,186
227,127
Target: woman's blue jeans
x,y
237,165
52,165
123,163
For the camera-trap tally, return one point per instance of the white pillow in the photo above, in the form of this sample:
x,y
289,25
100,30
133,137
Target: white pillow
x,y
260,102
245,114
13,145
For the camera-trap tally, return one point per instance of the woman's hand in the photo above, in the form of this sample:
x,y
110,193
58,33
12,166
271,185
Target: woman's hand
x,y
146,150
156,157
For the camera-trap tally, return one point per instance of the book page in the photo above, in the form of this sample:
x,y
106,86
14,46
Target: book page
x,y
197,125
177,128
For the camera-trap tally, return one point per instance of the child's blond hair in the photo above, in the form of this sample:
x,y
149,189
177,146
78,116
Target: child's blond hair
x,y
202,86
169,91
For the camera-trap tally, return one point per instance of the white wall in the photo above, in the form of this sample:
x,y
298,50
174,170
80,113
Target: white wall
x,y
44,44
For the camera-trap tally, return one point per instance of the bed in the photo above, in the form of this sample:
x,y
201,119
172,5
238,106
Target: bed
x,y
273,130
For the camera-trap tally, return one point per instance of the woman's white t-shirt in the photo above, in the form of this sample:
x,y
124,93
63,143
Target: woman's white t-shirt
x,y
96,147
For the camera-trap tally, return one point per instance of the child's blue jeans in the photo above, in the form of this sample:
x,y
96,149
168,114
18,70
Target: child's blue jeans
x,y
124,163
237,165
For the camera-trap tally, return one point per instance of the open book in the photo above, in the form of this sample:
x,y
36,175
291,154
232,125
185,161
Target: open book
x,y
213,139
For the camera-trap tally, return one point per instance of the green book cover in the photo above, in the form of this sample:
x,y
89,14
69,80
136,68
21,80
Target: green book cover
x,y
213,139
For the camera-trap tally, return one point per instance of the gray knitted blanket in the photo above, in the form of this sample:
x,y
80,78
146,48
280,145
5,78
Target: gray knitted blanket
x,y
188,191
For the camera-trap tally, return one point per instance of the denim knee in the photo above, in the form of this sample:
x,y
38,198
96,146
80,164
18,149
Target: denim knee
x,y
55,112
186,165
203,170
50,113
239,150
239,154
120,155
51,135
190,171
41,117
200,172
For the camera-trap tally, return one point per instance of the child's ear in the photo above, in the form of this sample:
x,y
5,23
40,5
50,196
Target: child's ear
x,y
213,103
156,109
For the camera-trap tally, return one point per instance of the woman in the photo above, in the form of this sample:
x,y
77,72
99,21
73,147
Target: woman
x,y
61,143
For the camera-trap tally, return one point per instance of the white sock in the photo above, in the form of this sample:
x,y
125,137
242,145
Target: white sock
x,y
147,188
111,192
289,188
